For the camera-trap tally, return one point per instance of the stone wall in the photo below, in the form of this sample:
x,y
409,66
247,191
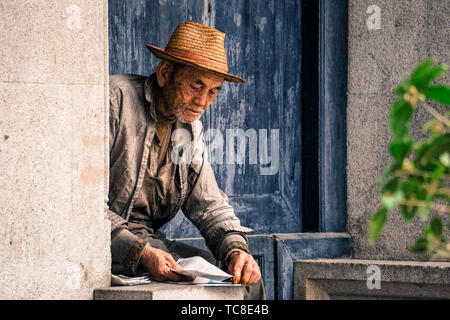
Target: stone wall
x,y
410,31
54,241
350,279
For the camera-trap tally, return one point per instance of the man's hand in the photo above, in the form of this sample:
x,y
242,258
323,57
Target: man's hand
x,y
244,269
159,263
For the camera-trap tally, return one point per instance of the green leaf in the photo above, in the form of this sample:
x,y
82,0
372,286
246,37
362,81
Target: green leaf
x,y
390,200
413,190
421,193
391,169
432,150
439,93
376,224
423,212
438,173
421,68
408,213
436,226
433,127
391,186
422,82
399,119
401,148
403,87
420,245
441,196
445,159
411,186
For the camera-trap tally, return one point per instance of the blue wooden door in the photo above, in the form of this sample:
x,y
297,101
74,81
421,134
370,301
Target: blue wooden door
x,y
253,129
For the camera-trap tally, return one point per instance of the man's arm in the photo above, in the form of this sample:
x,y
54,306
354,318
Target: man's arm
x,y
126,248
208,208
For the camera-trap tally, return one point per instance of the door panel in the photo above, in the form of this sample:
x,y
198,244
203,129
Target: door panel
x,y
264,47
134,23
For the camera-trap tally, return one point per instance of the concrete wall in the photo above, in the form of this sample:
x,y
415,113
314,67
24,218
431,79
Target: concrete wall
x,y
54,241
410,31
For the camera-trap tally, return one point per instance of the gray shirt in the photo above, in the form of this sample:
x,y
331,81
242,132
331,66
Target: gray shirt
x,y
188,184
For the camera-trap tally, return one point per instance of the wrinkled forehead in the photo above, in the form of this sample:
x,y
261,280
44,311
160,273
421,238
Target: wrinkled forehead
x,y
183,72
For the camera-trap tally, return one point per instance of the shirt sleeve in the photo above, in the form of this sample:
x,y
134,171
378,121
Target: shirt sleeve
x,y
208,208
126,248
231,243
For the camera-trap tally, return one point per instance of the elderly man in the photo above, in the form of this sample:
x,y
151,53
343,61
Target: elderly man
x,y
151,178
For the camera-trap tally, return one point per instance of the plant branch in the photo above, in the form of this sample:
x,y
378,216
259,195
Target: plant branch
x,y
443,191
439,208
436,114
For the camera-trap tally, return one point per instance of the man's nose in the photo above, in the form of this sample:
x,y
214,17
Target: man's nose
x,y
201,99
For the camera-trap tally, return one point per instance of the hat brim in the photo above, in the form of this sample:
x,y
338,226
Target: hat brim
x,y
162,54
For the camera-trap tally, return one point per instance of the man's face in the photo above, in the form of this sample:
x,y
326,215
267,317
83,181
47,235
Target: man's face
x,y
189,92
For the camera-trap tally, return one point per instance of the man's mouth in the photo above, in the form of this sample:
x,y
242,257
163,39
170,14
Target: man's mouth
x,y
194,112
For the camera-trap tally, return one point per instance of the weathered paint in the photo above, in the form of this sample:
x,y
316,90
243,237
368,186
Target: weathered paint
x,y
265,48
134,23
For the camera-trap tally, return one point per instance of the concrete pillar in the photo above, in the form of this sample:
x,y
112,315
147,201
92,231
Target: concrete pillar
x,y
54,241
408,32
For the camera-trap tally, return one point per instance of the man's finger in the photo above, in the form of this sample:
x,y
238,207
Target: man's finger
x,y
173,276
237,271
246,274
175,266
256,275
167,274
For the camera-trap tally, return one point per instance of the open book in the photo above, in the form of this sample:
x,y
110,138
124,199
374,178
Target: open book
x,y
196,270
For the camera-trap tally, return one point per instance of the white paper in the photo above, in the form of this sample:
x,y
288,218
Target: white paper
x,y
197,269
121,280
200,268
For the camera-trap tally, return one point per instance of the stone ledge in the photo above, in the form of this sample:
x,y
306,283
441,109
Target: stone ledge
x,y
167,291
347,279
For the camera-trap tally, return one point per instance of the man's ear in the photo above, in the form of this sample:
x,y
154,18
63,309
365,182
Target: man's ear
x,y
163,72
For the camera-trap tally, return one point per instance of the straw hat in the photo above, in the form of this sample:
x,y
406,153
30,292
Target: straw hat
x,y
199,46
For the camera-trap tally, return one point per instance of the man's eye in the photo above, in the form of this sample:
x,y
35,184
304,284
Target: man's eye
x,y
195,87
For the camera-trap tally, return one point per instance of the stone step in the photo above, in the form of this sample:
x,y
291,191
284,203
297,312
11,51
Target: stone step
x,y
168,291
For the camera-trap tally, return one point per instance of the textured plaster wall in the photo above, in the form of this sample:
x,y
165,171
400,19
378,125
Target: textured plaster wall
x,y
54,235
410,31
